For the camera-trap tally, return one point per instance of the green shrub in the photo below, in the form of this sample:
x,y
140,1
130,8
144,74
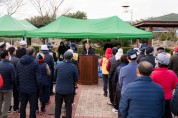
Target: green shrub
x,y
37,48
79,50
168,50
97,51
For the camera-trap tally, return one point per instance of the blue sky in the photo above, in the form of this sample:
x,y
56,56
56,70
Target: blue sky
x,y
142,9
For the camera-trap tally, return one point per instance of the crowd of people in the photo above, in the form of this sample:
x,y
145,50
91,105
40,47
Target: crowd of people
x,y
29,76
141,85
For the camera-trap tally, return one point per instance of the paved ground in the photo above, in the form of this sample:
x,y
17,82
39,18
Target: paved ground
x,y
89,103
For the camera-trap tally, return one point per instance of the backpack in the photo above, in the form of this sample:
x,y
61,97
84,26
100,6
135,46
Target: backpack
x,y
1,81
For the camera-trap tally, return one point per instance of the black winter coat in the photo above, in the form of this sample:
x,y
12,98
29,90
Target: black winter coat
x,y
174,102
173,63
112,72
91,51
149,58
27,74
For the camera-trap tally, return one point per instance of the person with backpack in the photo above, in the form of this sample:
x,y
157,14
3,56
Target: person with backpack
x,y
49,60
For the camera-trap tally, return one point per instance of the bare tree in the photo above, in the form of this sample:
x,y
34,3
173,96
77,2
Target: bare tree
x,y
40,6
13,6
55,7
50,7
173,33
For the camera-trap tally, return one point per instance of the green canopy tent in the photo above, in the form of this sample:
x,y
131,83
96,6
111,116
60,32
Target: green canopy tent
x,y
26,24
11,27
104,28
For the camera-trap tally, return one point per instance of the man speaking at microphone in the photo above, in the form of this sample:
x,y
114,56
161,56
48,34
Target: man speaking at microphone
x,y
88,50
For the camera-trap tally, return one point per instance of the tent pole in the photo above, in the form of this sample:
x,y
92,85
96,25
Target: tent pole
x,y
11,41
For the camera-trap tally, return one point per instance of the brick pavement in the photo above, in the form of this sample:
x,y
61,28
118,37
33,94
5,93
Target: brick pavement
x,y
89,103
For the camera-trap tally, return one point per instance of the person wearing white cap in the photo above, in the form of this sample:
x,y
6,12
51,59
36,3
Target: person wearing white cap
x,y
49,60
166,78
22,51
8,45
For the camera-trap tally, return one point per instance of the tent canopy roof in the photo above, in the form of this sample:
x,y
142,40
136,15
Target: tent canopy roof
x,y
11,27
27,25
104,28
169,20
169,17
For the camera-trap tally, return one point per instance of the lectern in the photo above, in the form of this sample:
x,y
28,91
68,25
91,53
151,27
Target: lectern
x,y
88,66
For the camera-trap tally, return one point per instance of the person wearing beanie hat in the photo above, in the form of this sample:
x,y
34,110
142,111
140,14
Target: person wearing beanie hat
x,y
114,50
8,45
149,56
128,73
40,57
75,55
49,60
166,78
66,75
174,61
119,54
103,64
162,58
22,50
44,81
74,58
